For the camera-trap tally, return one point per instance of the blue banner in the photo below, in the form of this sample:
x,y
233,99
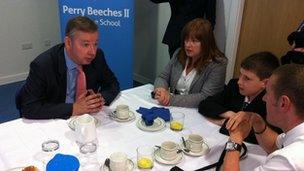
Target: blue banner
x,y
115,19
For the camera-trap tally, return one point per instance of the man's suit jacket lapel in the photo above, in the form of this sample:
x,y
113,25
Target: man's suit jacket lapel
x,y
62,74
90,73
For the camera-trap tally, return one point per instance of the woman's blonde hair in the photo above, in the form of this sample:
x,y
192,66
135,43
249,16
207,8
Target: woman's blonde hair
x,y
201,30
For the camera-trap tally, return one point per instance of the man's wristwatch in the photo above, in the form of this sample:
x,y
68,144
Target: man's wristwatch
x,y
232,146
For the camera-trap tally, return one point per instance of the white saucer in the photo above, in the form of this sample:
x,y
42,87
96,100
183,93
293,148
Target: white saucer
x,y
130,166
159,159
130,118
158,124
205,150
73,119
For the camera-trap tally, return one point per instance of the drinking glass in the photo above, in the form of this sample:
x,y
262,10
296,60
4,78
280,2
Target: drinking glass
x,y
88,157
177,121
49,149
145,157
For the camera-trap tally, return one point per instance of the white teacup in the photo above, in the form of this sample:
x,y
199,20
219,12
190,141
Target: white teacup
x,y
195,143
118,161
168,150
122,111
85,129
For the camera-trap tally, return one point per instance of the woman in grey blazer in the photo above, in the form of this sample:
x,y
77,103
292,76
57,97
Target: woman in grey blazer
x,y
196,71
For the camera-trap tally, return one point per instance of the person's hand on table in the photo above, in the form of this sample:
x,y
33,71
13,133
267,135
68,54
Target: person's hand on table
x,y
228,114
257,122
225,116
162,96
88,102
218,122
240,132
236,119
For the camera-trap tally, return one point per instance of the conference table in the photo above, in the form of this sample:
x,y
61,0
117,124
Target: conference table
x,y
21,139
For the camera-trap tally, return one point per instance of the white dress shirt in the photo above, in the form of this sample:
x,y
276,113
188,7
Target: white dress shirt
x,y
185,81
290,155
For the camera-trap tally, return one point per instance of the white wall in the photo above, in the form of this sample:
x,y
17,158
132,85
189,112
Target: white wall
x,y
222,20
151,55
25,21
234,18
145,47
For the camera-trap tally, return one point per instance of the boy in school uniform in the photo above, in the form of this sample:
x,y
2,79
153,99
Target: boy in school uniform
x,y
243,94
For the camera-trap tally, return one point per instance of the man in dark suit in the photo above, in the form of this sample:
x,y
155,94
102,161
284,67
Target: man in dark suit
x,y
183,11
52,89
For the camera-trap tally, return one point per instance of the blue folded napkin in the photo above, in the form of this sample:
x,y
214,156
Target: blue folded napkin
x,y
62,162
148,115
162,113
144,111
148,118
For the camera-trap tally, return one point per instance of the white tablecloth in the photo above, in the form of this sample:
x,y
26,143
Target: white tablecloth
x,y
21,139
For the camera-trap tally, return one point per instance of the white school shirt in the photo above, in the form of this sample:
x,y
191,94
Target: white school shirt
x,y
290,155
